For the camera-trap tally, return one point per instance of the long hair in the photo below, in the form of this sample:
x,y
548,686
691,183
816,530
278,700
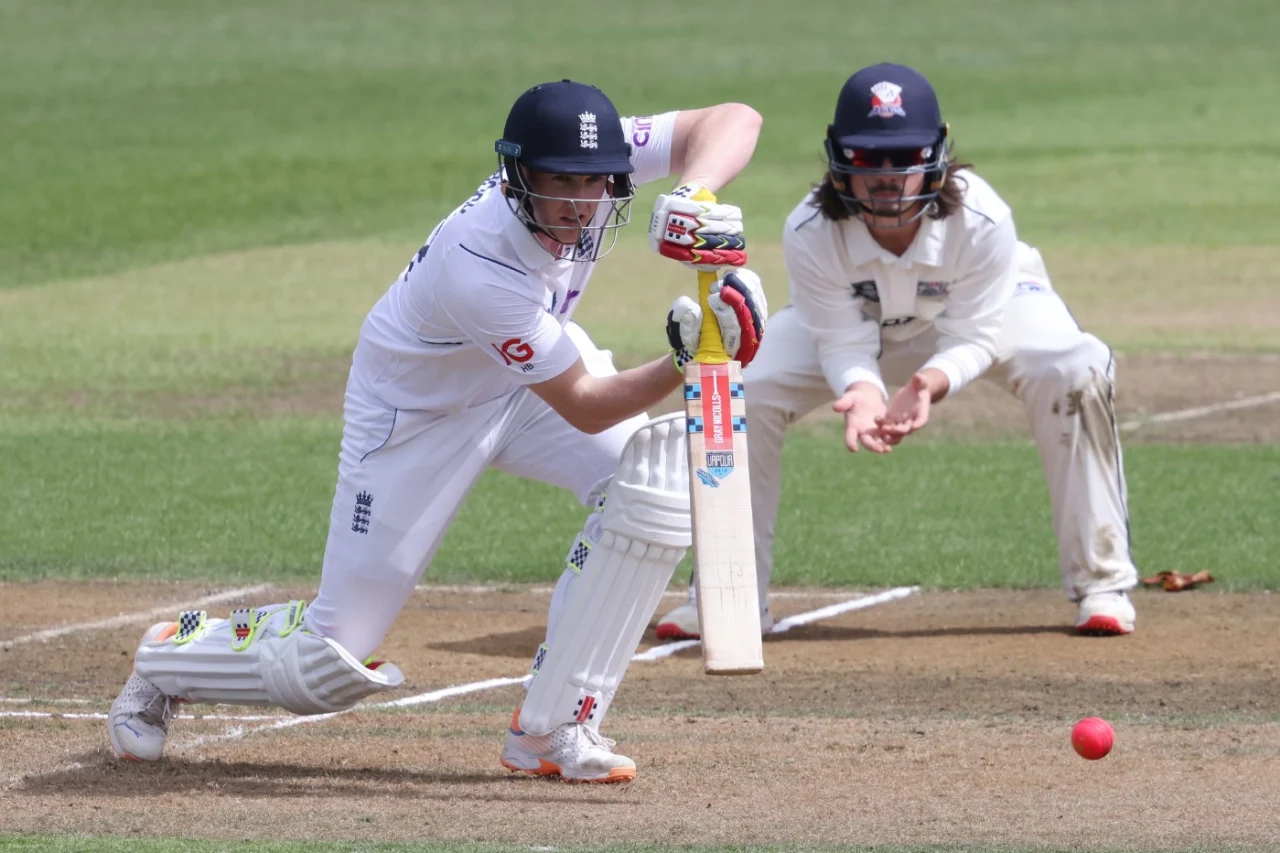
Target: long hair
x,y
950,197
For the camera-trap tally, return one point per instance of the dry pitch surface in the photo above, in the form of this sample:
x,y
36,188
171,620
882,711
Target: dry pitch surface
x,y
942,717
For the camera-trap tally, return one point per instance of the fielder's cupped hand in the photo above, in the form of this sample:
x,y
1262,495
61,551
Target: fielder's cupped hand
x,y
908,411
738,302
690,226
863,407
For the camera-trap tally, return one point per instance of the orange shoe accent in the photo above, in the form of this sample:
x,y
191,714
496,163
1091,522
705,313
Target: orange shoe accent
x,y
545,768
515,722
617,774
167,633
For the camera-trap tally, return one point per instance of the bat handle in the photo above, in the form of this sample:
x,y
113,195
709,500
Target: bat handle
x,y
710,344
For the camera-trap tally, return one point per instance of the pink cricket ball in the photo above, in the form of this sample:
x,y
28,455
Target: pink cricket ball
x,y
1093,738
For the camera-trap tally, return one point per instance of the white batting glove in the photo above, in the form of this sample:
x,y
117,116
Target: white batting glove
x,y
738,301
698,232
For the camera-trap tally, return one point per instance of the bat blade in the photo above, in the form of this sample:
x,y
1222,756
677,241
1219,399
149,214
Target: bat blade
x,y
723,536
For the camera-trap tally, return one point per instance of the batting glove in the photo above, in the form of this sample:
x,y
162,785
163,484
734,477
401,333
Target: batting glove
x,y
700,233
741,310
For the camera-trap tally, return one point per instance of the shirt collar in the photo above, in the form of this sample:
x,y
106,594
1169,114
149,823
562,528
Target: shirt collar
x,y
925,249
527,248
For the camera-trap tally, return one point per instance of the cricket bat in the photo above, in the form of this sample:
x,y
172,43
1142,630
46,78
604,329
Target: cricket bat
x,y
720,491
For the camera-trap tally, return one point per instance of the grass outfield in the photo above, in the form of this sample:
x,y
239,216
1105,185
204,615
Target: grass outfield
x,y
250,501
201,204
140,131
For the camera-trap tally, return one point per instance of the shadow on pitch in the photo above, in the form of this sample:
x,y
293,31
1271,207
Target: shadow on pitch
x,y
512,644
522,644
101,774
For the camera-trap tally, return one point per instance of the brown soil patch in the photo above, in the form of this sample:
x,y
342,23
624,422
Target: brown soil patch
x,y
941,718
1146,384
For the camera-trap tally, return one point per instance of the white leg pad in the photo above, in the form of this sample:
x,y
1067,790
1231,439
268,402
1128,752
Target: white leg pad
x,y
260,657
644,533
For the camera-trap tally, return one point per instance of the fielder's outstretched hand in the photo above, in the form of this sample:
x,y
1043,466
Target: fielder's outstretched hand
x,y
738,301
908,410
863,407
698,232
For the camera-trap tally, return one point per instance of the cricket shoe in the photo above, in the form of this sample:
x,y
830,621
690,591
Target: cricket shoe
x,y
575,752
139,719
1105,614
682,623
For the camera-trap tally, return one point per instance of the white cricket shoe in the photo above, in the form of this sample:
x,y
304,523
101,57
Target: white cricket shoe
x,y
1105,614
139,719
574,752
682,623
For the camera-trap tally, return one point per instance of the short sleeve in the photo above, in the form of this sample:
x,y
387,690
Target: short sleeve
x,y
650,138
508,325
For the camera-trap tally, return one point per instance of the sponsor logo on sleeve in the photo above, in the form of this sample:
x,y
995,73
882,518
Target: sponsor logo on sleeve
x,y
933,288
514,351
643,130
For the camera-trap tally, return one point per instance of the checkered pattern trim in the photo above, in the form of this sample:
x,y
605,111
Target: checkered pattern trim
x,y
190,623
578,554
736,390
538,659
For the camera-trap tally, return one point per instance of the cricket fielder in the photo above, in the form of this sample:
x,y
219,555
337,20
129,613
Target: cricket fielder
x,y
470,361
905,268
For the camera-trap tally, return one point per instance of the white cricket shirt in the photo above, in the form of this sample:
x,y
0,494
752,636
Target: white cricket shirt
x,y
480,310
957,276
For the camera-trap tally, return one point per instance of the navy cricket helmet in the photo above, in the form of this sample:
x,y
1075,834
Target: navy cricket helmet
x,y
568,128
888,123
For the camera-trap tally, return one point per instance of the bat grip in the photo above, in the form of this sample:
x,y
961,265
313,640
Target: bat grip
x,y
710,344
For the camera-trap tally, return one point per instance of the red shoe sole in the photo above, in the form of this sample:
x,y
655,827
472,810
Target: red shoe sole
x,y
672,631
1103,626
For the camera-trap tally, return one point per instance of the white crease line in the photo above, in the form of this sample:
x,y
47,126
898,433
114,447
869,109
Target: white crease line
x,y
420,699
1201,411
129,618
29,700
833,610
656,653
784,625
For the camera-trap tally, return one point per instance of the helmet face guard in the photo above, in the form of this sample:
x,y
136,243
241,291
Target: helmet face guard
x,y
585,243
845,163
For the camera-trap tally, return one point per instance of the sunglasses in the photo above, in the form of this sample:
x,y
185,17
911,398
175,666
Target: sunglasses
x,y
899,158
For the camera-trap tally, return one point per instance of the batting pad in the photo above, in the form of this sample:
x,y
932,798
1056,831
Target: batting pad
x,y
260,657
644,533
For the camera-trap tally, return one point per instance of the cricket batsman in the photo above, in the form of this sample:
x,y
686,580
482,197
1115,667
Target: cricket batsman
x,y
905,269
472,360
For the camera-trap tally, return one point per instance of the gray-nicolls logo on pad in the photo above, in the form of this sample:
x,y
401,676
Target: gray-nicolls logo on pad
x,y
587,136
363,512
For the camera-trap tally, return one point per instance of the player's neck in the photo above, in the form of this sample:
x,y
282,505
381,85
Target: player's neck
x,y
895,240
555,247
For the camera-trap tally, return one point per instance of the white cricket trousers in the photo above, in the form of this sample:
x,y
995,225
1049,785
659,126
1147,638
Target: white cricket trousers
x,y
1064,378
402,475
